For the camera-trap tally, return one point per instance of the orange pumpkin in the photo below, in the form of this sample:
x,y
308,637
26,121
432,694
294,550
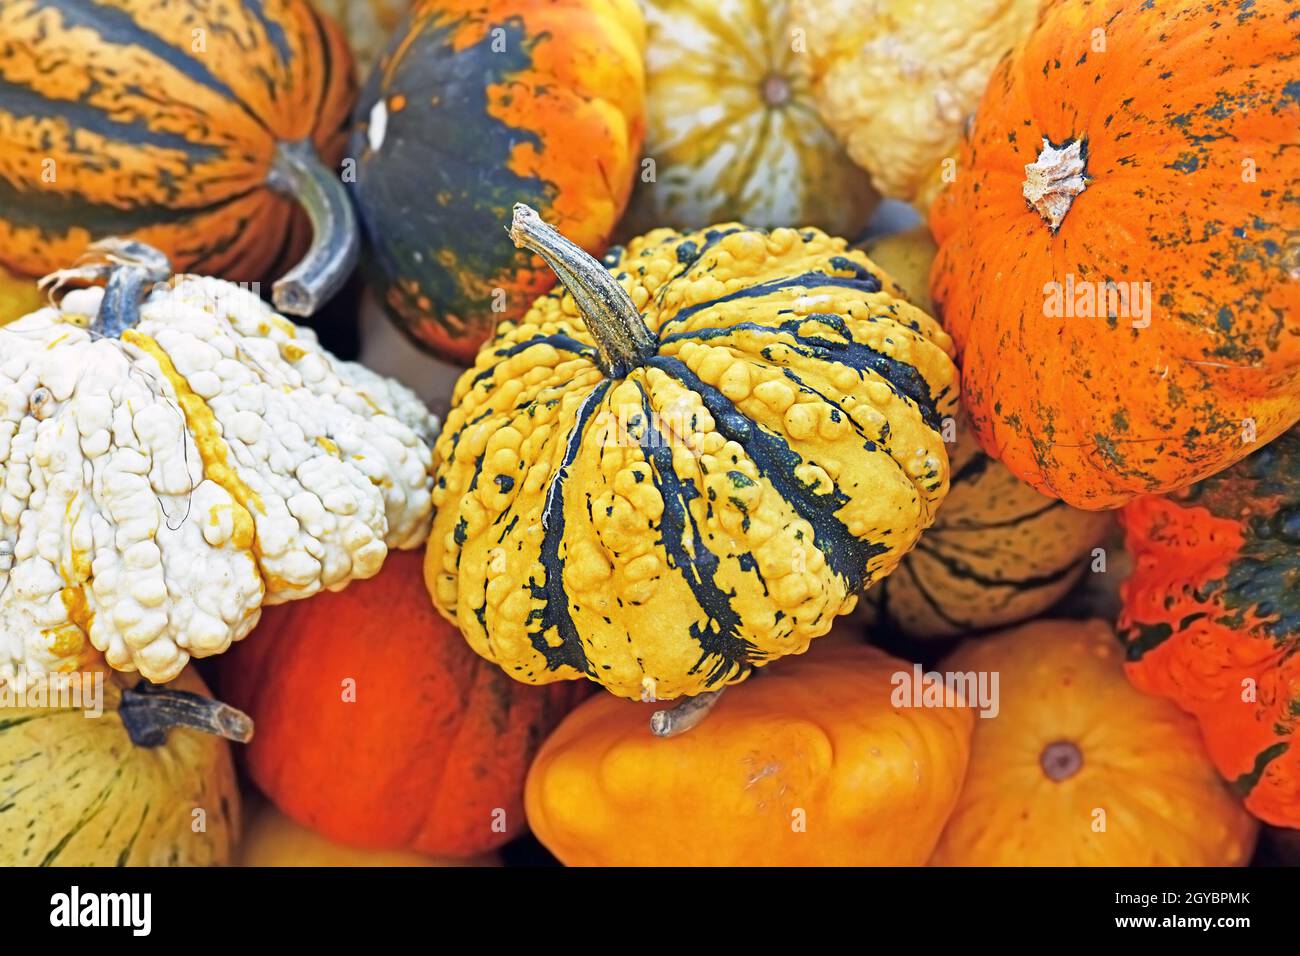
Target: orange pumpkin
x,y
379,728
198,128
1076,768
807,764
1150,146
1212,618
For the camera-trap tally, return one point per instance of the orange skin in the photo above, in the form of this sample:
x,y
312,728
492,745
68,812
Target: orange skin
x,y
1094,410
435,741
560,128
119,141
812,738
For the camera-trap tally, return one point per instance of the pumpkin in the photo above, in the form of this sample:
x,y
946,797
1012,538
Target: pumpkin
x,y
204,130
686,462
169,465
1211,618
272,839
482,105
367,24
148,782
897,79
999,552
1126,309
807,765
732,127
378,728
1076,768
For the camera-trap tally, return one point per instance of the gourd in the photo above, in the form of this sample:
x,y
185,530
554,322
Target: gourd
x,y
473,107
1163,166
685,463
174,455
897,79
367,24
149,782
415,745
18,296
204,130
272,839
808,764
732,127
1079,769
1210,618
999,552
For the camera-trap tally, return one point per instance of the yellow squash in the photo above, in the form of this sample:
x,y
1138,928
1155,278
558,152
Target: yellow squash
x,y
1078,768
687,463
809,764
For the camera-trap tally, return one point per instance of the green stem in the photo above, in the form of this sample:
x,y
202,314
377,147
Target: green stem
x,y
622,337
298,173
149,712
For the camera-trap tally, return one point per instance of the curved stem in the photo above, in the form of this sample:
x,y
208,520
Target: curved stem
x,y
298,173
148,712
683,715
622,337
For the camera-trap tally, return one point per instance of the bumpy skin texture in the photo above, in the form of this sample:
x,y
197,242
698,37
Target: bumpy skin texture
x,y
813,740
156,490
1143,764
897,79
733,129
1212,618
665,532
430,751
78,792
1188,121
999,552
477,106
112,123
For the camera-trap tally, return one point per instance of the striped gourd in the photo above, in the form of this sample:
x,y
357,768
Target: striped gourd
x,y
689,462
192,126
732,126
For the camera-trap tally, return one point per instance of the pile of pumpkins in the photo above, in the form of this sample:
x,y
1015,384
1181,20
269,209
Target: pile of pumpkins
x,y
740,542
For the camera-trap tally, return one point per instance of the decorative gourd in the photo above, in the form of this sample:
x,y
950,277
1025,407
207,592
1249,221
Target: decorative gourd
x,y
897,79
147,783
379,728
806,765
171,465
272,839
198,128
732,127
18,296
1165,166
473,107
684,465
1212,618
367,24
1079,769
999,552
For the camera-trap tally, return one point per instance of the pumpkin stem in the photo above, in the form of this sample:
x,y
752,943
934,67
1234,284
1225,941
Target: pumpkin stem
x,y
148,712
128,269
1061,760
683,715
622,337
1053,181
298,173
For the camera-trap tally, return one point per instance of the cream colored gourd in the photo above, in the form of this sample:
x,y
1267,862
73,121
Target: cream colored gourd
x,y
175,463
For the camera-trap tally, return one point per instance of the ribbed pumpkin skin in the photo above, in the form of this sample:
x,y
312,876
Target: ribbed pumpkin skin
x,y
1212,618
78,792
151,138
716,507
1094,410
733,129
1143,764
806,765
477,106
433,743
